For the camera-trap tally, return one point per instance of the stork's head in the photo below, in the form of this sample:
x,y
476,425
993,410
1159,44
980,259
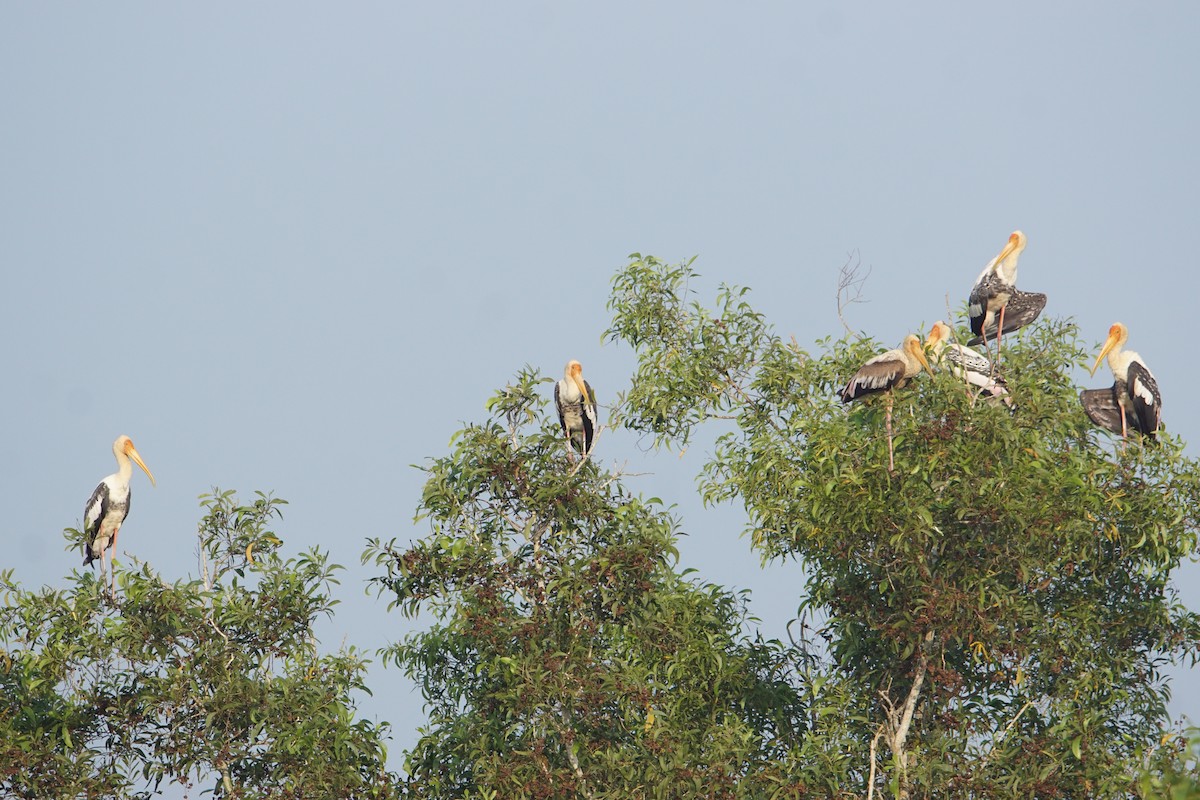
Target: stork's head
x,y
939,334
912,346
1012,249
123,446
1015,244
1117,335
574,373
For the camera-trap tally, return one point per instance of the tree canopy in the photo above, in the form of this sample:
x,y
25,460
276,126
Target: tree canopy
x,y
987,614
211,679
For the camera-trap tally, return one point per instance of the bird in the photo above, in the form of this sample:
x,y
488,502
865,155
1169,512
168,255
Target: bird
x,y
1134,389
965,363
109,505
576,404
995,289
885,372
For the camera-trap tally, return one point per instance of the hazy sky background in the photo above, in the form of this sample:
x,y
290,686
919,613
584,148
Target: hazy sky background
x,y
294,246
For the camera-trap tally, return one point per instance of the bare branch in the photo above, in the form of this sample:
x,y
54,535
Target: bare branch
x,y
850,286
900,719
871,777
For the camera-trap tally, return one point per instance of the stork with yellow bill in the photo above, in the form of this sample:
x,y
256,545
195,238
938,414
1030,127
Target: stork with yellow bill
x,y
1134,387
576,405
885,372
109,506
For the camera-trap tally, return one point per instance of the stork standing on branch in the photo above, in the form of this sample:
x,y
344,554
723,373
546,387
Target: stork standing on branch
x,y
996,306
1134,389
969,365
576,404
885,372
108,507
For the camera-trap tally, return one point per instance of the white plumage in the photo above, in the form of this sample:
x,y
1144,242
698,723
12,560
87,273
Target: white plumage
x,y
995,285
1134,389
576,405
970,365
105,512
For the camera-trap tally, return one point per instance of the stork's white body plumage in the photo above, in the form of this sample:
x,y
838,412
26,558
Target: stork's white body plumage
x,y
108,507
1135,389
576,405
969,365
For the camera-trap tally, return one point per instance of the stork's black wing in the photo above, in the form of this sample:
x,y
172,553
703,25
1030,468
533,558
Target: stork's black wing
x,y
1102,409
96,509
589,418
1147,402
1022,308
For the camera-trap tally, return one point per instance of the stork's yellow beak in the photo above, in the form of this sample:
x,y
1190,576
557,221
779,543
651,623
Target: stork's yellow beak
x,y
578,378
920,354
1109,344
132,452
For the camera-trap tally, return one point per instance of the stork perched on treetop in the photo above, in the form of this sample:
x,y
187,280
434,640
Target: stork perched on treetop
x,y
996,306
1134,387
576,404
965,363
887,371
109,505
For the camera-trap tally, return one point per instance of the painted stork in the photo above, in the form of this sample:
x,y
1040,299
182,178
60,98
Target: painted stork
x,y
965,363
884,372
993,291
1134,389
576,404
109,505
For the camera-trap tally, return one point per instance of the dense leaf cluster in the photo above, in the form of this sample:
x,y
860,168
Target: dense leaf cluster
x,y
1008,584
217,679
569,658
988,618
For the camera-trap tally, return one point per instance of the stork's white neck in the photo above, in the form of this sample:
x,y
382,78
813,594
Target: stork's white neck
x,y
124,465
569,390
1006,270
1119,361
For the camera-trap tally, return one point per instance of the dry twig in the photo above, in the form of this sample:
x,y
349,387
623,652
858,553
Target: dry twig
x,y
850,286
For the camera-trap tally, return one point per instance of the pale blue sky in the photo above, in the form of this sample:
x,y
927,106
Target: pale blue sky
x,y
292,247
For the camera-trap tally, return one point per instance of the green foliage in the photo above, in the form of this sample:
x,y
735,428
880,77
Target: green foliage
x,y
568,659
1007,586
1174,771
212,680
691,363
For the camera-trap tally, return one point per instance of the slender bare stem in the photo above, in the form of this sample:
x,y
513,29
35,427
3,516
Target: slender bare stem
x,y
874,749
849,290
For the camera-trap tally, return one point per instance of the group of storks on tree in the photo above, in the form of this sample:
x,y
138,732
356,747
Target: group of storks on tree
x,y
996,307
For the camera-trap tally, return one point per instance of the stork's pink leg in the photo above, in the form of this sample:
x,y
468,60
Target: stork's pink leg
x,y
888,427
999,333
112,578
